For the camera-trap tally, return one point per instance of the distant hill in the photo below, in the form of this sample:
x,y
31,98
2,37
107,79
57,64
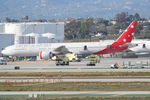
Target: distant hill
x,y
50,9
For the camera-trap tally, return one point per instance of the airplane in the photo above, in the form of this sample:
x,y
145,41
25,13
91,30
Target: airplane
x,y
141,47
48,50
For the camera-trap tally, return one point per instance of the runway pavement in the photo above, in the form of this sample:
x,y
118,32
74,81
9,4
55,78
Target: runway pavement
x,y
49,66
103,66
77,79
36,94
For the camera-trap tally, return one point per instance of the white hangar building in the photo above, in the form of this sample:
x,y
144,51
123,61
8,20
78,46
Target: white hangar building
x,y
35,27
30,33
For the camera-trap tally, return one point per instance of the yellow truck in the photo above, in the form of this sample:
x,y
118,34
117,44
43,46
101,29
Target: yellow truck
x,y
72,57
93,60
61,60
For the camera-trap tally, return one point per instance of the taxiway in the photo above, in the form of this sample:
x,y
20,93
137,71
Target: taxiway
x,y
103,66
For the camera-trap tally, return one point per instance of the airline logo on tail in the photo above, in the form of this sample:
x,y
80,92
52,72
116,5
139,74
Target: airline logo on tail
x,y
122,42
126,36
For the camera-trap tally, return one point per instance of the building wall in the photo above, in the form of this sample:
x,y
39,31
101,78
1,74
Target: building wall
x,y
2,27
48,40
26,40
22,29
6,40
39,28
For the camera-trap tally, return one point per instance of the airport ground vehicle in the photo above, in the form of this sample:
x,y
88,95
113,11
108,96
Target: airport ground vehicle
x,y
93,60
115,66
3,62
62,61
73,57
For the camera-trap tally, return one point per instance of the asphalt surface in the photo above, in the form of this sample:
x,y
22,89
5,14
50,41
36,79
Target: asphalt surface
x,y
35,94
77,79
103,66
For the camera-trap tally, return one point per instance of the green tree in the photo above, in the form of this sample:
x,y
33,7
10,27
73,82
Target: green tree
x,y
84,28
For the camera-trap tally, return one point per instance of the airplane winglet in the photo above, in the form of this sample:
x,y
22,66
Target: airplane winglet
x,y
127,35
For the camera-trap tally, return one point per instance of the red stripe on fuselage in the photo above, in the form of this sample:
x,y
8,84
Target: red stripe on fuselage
x,y
108,50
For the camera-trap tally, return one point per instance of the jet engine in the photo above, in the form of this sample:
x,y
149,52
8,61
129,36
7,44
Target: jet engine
x,y
45,55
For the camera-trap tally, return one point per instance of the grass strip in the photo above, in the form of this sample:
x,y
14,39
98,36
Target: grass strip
x,y
77,86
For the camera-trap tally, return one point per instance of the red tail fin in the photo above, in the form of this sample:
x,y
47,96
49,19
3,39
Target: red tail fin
x,y
126,36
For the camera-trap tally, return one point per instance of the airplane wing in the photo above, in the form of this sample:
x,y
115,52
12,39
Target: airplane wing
x,y
61,50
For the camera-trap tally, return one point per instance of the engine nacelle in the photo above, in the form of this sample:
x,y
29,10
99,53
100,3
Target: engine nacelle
x,y
45,55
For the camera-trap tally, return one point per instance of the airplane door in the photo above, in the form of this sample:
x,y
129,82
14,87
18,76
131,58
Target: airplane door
x,y
144,46
85,47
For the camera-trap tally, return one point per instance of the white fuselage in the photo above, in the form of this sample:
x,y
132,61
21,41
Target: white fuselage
x,y
142,47
76,48
102,47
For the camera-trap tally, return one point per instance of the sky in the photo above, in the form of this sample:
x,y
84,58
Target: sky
x,y
54,9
